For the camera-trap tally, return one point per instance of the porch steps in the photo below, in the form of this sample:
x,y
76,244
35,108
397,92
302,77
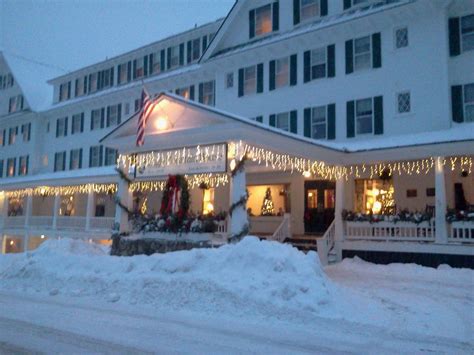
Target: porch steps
x,y
304,243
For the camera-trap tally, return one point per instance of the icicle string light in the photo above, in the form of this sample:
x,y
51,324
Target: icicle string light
x,y
211,180
63,190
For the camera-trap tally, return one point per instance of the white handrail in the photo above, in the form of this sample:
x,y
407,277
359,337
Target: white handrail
x,y
283,231
326,243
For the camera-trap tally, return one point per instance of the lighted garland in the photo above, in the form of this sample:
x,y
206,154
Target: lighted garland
x,y
241,202
211,180
236,237
63,190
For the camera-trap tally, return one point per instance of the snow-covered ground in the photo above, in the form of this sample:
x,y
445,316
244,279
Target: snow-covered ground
x,y
263,291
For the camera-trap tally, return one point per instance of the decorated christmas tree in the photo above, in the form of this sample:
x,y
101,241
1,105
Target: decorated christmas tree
x,y
267,206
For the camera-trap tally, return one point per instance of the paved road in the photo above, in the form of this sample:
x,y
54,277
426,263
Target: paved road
x,y
53,325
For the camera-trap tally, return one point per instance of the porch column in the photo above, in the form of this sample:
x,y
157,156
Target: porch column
x,y
28,210
338,222
441,234
3,209
57,203
126,198
89,209
239,219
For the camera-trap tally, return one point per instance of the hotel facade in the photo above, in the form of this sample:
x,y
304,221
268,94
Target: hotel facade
x,y
348,111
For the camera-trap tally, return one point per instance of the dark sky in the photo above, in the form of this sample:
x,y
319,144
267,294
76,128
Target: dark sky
x,y
74,33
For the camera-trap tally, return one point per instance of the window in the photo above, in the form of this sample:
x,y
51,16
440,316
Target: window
x,y
106,78
15,104
61,127
403,102
250,80
77,123
401,37
184,92
309,9
318,63
81,86
194,50
364,116
318,122
122,73
26,131
95,156
75,161
469,103
263,20
96,119
229,80
207,94
138,68
23,165
64,91
11,163
6,81
113,115
2,137
173,56
374,195
467,32
111,156
1,168
60,161
93,82
158,62
282,121
282,72
12,133
362,53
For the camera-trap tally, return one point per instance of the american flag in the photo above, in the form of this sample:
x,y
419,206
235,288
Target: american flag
x,y
145,111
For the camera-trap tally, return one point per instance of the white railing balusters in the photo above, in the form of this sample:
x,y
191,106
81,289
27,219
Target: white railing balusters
x,y
326,243
283,231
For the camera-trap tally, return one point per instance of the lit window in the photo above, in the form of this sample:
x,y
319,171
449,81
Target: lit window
x,y
250,80
23,165
312,198
11,162
64,91
364,116
173,57
318,122
12,133
208,201
362,50
467,32
2,137
15,104
282,121
26,131
156,67
123,73
401,37
469,103
93,82
318,63
403,101
282,72
139,68
263,20
374,196
184,92
309,9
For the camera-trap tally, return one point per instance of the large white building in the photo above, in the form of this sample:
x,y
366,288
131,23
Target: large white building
x,y
381,92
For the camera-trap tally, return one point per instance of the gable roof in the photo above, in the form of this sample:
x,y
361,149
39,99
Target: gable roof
x,y
32,79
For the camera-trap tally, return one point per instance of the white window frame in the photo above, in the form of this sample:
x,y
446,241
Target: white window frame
x,y
12,133
313,123
185,92
94,158
95,127
369,53
395,38
464,103
25,132
123,73
356,118
59,159
15,103
94,82
229,80
195,49
79,83
156,68
75,159
305,18
140,68
208,92
76,118
462,35
110,156
23,163
258,11
112,118
11,167
63,91
250,83
62,127
283,116
173,57
397,103
281,73
314,63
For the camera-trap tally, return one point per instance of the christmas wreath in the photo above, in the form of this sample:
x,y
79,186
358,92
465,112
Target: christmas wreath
x,y
175,197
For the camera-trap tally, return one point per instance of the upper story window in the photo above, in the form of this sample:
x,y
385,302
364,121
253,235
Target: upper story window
x,y
23,165
364,116
349,3
403,102
123,72
15,104
81,86
282,72
139,68
60,161
95,156
309,9
114,115
1,168
467,32
93,82
318,63
250,80
11,167
105,79
318,122
264,20
26,132
401,37
157,60
12,133
282,121
3,137
469,102
97,120
61,127
173,57
229,80
77,123
111,156
462,100
207,93
193,50
75,159
184,92
6,81
363,53
65,91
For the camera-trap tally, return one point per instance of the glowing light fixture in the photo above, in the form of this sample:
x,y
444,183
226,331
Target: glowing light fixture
x,y
232,164
306,173
12,242
42,236
161,123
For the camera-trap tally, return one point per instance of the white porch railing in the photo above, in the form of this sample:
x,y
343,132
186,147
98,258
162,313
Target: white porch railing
x,y
221,227
462,232
326,243
71,222
41,221
389,231
14,222
283,231
102,223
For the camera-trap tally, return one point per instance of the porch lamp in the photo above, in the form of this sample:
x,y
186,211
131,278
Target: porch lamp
x,y
161,123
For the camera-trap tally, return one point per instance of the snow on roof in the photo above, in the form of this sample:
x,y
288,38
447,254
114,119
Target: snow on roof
x,y
32,79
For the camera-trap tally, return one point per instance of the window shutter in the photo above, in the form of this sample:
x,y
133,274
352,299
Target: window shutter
x,y
307,66
324,7
454,37
82,122
275,16
80,158
134,69
29,131
188,52
69,90
272,120
76,85
376,50
331,53
129,71
85,85
294,121
89,88
181,54
307,122
90,157
57,129
150,64
378,115
331,121
349,56
201,93
70,159
168,59
27,164
350,119
271,75
296,12
65,126
145,65
4,137
63,157
347,4
101,155
241,82
108,116
204,43
293,70
162,60
251,24
259,119
259,77
55,162
457,103
119,113
191,92
112,76
102,116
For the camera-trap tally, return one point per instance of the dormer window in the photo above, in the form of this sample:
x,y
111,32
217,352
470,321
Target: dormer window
x,y
93,82
263,20
123,72
309,9
81,86
138,68
64,91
